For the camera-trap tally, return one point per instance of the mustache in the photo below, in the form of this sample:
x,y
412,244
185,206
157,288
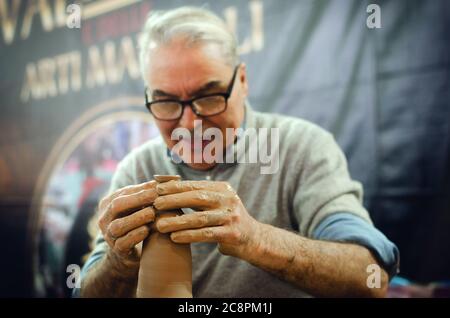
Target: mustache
x,y
197,132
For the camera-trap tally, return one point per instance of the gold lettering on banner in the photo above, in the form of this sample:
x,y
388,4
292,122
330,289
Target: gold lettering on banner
x,y
46,69
52,14
37,6
31,84
99,65
110,67
128,58
115,66
60,13
257,12
111,70
50,77
9,16
58,75
9,20
254,42
99,7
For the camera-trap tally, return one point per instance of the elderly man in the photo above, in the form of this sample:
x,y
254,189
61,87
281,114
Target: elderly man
x,y
298,231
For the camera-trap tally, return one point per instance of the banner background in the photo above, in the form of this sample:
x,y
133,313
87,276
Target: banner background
x,y
383,93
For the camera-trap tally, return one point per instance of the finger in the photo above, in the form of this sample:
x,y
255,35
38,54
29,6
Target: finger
x,y
125,244
165,178
206,234
161,215
198,199
172,187
192,221
121,226
127,190
127,203
110,240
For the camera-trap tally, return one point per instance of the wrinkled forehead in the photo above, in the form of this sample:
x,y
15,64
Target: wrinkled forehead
x,y
177,66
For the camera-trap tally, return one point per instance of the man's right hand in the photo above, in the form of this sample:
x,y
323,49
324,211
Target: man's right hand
x,y
123,221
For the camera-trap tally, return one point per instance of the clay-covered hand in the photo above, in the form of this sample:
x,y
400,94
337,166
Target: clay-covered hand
x,y
124,218
221,216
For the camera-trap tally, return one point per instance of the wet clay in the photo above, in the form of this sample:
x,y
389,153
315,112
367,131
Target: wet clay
x,y
166,267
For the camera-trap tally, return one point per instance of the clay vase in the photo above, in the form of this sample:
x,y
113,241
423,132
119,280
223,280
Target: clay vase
x,y
165,267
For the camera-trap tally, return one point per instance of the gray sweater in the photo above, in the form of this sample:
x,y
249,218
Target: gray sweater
x,y
312,182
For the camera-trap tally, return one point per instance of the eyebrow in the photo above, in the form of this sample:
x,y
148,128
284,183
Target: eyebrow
x,y
202,90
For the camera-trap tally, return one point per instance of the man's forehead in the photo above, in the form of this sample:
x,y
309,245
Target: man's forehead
x,y
189,90
187,80
176,58
175,69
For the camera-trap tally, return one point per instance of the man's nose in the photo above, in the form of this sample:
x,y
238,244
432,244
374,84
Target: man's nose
x,y
188,118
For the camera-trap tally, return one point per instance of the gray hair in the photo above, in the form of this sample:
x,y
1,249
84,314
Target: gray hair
x,y
196,25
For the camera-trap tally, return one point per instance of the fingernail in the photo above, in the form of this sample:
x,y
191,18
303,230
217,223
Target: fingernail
x,y
174,237
162,223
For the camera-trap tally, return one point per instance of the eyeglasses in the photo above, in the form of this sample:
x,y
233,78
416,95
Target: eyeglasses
x,y
202,106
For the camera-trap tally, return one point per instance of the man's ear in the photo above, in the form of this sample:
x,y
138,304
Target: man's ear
x,y
242,78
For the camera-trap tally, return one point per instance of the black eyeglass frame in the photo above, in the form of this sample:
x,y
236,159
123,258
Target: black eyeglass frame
x,y
226,95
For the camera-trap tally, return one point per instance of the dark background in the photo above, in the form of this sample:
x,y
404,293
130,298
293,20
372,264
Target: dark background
x,y
383,93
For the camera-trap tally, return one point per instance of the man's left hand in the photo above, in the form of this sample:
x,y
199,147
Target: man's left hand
x,y
222,218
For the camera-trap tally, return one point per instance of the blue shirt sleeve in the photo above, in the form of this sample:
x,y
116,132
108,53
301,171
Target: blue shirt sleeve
x,y
95,256
347,227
